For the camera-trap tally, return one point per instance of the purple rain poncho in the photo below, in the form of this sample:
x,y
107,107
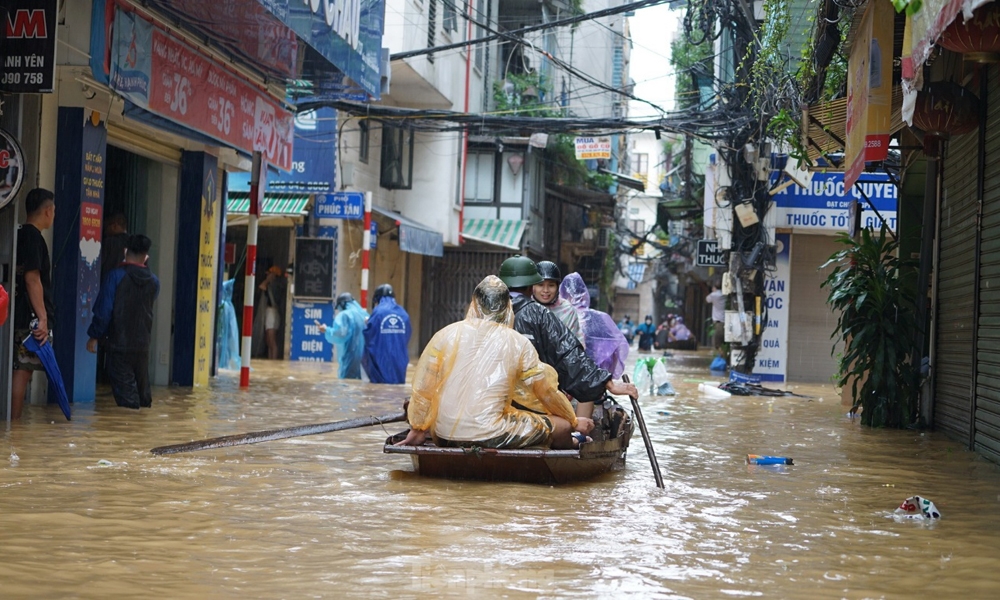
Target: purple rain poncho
x,y
605,344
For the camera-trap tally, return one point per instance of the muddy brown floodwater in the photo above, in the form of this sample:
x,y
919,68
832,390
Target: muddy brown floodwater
x,y
332,516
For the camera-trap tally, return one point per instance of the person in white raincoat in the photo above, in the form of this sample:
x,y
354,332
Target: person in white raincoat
x,y
470,374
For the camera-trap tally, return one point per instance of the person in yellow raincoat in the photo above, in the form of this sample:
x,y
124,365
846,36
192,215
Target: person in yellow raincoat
x,y
470,374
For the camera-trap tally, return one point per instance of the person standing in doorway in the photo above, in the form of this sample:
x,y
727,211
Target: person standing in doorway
x,y
387,338
718,301
113,243
34,310
123,321
272,289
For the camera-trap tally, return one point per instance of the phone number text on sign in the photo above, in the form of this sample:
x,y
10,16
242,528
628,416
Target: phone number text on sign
x,y
195,91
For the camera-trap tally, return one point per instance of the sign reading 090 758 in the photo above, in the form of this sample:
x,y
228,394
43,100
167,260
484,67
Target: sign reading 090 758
x,y
11,167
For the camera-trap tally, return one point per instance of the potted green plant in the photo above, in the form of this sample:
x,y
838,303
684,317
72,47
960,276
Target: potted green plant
x,y
872,290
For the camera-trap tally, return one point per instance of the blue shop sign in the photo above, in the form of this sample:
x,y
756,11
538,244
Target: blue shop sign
x,y
313,158
824,205
348,33
308,344
340,205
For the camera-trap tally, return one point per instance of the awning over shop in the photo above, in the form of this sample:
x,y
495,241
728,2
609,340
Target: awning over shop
x,y
414,237
636,271
499,232
274,205
825,125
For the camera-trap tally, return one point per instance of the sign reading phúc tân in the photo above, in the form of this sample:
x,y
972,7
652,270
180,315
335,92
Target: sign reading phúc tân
x,y
592,147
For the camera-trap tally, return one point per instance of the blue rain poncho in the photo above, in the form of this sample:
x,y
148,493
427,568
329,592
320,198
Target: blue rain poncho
x,y
387,340
347,336
229,333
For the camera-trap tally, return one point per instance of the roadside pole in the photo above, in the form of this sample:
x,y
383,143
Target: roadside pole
x,y
366,244
258,178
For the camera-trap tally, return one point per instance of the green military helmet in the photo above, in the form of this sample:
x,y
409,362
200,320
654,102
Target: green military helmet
x,y
519,272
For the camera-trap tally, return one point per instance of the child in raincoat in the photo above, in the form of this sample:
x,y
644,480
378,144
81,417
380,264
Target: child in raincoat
x,y
471,372
347,336
605,343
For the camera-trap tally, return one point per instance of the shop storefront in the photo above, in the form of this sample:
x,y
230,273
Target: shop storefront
x,y
155,103
795,343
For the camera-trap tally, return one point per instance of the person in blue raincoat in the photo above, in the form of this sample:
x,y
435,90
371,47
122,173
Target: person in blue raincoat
x,y
347,335
387,338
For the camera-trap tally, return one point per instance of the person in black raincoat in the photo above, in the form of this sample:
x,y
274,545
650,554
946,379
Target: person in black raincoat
x,y
556,345
123,321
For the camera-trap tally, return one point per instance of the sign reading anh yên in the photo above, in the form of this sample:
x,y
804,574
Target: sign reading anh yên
x,y
592,147
27,46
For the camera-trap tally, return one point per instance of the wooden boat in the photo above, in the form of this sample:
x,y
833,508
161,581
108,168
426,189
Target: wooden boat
x,y
530,465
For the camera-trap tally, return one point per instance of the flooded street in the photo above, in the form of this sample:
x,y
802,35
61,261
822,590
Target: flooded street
x,y
332,516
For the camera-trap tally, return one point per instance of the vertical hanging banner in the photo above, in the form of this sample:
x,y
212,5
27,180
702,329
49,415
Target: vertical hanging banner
x,y
869,91
772,358
166,76
27,46
858,75
207,257
879,83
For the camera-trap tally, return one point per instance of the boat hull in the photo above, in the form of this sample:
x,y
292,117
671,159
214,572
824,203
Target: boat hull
x,y
540,466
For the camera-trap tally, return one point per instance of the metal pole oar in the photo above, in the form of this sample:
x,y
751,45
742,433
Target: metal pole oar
x,y
645,438
255,437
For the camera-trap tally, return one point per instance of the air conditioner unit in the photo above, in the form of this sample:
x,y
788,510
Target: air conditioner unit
x,y
604,237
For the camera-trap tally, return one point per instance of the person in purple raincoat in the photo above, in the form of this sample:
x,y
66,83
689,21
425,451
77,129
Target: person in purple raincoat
x,y
605,344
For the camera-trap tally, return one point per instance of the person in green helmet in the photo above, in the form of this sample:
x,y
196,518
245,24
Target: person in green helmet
x,y
556,345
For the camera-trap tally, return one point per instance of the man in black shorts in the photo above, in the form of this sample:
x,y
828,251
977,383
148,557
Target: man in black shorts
x,y
33,307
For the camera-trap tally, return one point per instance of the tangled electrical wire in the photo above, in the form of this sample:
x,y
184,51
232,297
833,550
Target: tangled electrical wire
x,y
713,125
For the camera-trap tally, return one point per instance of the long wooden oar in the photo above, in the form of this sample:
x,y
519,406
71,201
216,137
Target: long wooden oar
x,y
645,438
255,437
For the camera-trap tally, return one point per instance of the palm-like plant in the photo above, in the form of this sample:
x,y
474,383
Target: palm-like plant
x,y
873,292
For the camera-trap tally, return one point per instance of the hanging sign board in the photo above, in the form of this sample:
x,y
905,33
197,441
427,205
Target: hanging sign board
x,y
340,205
308,343
772,358
11,167
27,46
710,255
592,147
314,268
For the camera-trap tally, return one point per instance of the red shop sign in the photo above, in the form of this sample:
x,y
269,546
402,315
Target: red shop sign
x,y
193,90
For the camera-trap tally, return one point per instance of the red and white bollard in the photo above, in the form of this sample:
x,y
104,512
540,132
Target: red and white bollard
x,y
366,244
258,179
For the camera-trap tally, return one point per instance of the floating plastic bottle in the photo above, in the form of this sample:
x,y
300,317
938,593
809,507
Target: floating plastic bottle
x,y
756,459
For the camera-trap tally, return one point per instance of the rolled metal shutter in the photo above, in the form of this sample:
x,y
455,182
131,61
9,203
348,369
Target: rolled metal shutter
x,y
449,283
955,290
986,437
810,318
